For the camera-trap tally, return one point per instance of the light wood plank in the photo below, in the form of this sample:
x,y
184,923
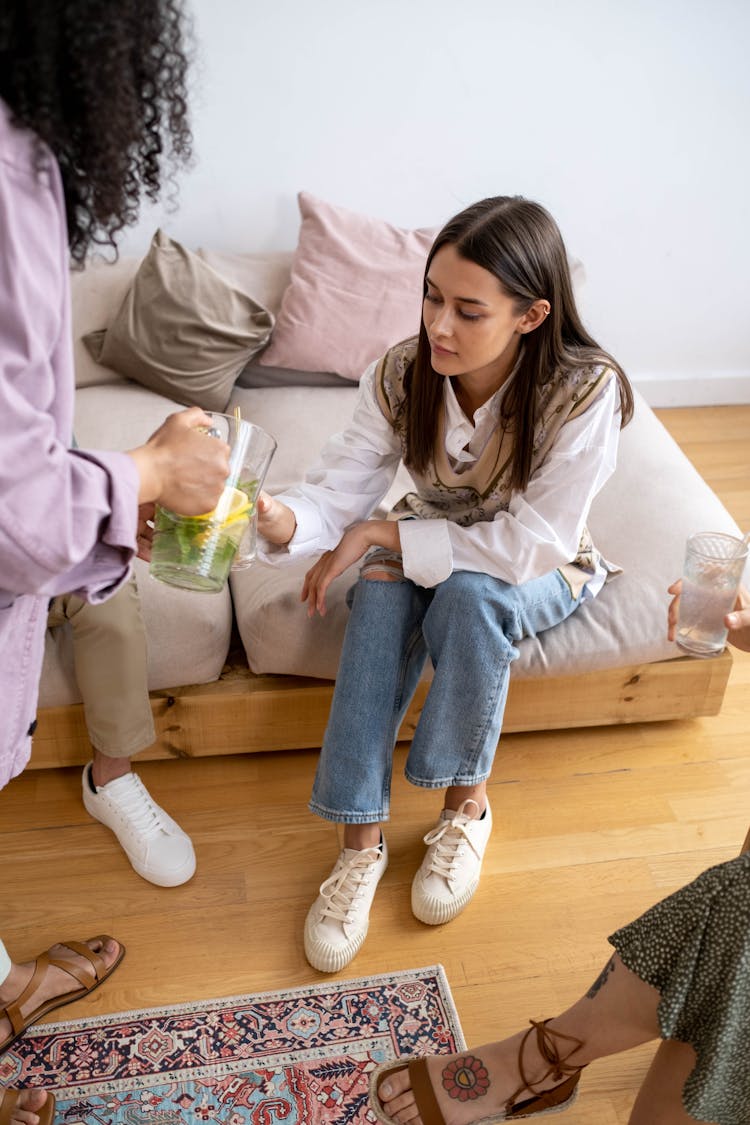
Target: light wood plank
x,y
242,713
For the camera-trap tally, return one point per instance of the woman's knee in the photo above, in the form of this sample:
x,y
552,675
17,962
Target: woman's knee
x,y
466,581
381,576
470,606
383,566
466,590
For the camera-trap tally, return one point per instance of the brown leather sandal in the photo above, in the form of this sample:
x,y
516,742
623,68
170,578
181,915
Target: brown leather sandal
x,y
89,976
8,1099
554,1100
559,1097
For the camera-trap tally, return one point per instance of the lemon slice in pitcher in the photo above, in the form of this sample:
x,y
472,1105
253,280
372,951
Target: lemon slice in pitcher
x,y
238,507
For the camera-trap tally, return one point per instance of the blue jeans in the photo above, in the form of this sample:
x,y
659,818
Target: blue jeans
x,y
468,626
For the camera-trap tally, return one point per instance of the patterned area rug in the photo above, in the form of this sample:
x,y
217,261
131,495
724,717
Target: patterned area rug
x,y
299,1057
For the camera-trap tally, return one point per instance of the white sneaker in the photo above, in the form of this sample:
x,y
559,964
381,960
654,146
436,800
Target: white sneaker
x,y
157,848
449,875
337,922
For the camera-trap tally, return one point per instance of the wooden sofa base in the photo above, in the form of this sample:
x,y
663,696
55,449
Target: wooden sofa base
x,y
242,713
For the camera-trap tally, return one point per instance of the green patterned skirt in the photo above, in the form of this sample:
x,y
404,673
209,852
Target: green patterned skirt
x,y
694,947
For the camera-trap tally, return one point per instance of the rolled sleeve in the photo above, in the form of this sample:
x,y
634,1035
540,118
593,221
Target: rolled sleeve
x,y
81,534
107,567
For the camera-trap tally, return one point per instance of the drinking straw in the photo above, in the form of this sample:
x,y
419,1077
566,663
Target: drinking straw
x,y
221,511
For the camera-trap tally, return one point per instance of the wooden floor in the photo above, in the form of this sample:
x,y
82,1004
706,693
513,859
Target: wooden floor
x,y
591,827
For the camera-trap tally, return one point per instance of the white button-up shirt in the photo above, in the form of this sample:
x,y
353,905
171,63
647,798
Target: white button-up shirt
x,y
540,531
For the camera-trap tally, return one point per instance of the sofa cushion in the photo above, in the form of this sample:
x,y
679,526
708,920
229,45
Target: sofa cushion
x,y
355,289
263,276
300,419
641,519
182,330
96,294
256,375
175,620
118,416
266,277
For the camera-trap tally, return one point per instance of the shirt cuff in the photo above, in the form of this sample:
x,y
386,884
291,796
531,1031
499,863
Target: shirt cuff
x,y
306,538
426,551
120,531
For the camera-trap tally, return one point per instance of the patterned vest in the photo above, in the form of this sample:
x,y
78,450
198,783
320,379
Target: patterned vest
x,y
481,490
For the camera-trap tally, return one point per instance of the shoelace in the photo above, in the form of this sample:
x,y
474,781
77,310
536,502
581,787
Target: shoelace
x,y
134,802
341,888
449,839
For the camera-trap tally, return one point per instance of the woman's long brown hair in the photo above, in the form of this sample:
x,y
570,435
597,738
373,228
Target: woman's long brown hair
x,y
519,242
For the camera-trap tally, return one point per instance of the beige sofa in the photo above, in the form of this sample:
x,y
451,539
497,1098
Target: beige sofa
x,y
246,670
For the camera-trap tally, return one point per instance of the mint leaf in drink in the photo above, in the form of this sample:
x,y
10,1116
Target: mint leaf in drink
x,y
250,488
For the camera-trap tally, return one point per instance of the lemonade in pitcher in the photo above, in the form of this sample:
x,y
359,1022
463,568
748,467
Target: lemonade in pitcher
x,y
197,552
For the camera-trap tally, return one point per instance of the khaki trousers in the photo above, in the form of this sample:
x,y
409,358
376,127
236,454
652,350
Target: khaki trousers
x,y
110,655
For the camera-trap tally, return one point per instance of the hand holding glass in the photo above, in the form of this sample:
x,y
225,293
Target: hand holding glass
x,y
197,552
714,564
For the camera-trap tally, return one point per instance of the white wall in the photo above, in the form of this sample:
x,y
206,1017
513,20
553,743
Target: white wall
x,y
628,119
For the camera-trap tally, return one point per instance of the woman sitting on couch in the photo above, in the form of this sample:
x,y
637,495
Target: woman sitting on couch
x,y
507,415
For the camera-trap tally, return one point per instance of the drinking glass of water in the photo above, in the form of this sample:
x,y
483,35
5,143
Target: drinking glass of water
x,y
714,565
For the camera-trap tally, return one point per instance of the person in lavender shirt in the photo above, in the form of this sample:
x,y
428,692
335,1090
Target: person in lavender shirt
x,y
92,118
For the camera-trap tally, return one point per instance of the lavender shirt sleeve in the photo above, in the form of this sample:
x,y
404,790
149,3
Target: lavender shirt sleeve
x,y
67,517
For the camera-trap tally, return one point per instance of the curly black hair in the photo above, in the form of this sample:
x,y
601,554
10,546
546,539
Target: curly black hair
x,y
103,84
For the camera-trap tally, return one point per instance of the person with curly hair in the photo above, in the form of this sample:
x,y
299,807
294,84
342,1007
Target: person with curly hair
x,y
93,119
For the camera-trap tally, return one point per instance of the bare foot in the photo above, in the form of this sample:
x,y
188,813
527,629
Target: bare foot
x,y
27,1106
475,1084
56,982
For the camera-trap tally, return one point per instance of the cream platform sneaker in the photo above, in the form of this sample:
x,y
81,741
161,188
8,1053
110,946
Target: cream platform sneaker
x,y
337,921
449,875
156,846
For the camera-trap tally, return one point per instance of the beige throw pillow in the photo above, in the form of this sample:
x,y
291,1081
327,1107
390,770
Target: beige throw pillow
x,y
182,330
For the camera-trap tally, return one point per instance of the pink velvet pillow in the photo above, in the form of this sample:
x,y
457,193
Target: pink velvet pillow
x,y
356,289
